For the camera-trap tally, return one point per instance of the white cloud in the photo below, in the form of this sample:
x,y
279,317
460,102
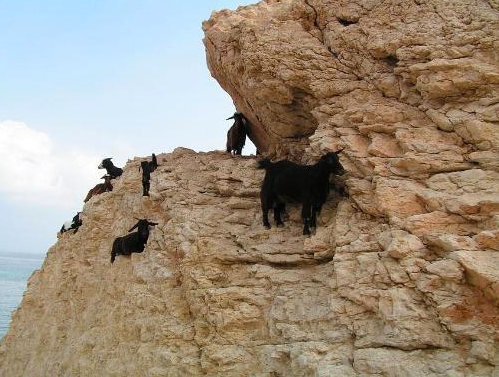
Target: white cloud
x,y
35,171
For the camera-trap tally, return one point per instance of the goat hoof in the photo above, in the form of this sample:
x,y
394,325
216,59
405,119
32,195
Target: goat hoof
x,y
279,224
266,226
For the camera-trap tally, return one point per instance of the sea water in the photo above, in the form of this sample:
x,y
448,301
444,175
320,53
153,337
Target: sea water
x,y
15,269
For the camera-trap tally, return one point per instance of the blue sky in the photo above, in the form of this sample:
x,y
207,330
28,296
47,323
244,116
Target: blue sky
x,y
82,80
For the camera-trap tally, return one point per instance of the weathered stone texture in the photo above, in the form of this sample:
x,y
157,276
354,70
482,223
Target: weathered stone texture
x,y
400,279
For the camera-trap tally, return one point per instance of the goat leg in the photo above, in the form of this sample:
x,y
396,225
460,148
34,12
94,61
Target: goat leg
x,y
278,209
265,214
146,186
266,222
306,229
266,199
313,219
305,215
114,250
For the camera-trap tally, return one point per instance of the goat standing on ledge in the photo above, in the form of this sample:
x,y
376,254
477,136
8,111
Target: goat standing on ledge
x,y
147,168
134,242
154,163
306,184
101,188
112,170
236,136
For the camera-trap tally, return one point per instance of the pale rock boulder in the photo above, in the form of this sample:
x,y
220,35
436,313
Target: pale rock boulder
x,y
488,239
487,159
398,197
485,351
440,120
482,269
444,242
400,244
446,269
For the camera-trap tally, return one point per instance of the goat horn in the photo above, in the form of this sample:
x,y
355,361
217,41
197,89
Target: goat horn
x,y
341,150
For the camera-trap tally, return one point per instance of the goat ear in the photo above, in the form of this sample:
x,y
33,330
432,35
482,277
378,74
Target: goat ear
x,y
339,151
152,224
232,117
134,227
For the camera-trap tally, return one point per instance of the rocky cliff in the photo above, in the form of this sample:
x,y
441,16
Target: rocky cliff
x,y
400,279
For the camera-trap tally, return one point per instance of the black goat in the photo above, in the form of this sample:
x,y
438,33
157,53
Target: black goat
x,y
236,136
154,163
146,177
112,170
134,242
73,224
306,184
147,168
100,188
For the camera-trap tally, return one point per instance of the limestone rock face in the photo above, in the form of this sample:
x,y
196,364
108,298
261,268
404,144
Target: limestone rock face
x,y
410,91
409,86
400,278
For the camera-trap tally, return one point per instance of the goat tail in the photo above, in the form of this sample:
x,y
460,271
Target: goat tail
x,y
113,255
264,164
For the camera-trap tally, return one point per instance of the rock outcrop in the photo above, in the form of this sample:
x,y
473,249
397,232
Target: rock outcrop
x,y
400,279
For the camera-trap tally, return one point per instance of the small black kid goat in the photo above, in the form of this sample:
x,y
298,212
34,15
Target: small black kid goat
x,y
306,184
112,170
134,242
147,168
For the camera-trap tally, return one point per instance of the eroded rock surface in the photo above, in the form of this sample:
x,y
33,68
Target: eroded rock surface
x,y
400,278
410,90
